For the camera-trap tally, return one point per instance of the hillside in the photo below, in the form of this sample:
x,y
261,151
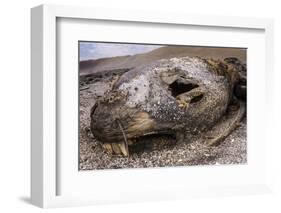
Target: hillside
x,y
121,62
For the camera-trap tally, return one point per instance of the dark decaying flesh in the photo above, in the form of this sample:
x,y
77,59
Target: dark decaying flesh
x,y
178,96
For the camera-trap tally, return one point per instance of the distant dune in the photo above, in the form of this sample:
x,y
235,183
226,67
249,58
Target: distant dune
x,y
121,62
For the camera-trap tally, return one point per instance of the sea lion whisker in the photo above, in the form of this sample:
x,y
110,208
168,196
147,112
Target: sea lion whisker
x,y
126,151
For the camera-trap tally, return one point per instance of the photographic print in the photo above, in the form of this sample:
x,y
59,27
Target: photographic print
x,y
154,105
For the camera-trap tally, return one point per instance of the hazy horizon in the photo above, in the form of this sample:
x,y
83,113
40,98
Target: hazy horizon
x,y
96,50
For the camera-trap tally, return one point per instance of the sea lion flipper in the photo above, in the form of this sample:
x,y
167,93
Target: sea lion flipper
x,y
226,125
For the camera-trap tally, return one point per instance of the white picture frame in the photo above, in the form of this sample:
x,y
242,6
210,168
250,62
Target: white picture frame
x,y
45,153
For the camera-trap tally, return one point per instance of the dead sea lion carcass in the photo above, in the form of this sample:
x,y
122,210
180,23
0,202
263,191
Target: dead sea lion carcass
x,y
178,96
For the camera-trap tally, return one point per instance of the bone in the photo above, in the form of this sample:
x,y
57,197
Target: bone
x,y
116,149
123,149
108,148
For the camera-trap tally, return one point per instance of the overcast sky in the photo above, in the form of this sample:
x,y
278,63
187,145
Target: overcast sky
x,y
93,50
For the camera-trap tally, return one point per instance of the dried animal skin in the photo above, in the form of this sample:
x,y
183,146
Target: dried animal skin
x,y
178,96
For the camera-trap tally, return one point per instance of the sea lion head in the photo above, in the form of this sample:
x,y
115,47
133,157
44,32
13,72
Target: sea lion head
x,y
169,96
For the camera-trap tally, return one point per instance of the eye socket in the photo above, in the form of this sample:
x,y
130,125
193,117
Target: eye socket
x,y
178,87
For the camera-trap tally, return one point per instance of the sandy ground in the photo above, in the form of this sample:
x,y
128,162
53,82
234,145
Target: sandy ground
x,y
157,152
